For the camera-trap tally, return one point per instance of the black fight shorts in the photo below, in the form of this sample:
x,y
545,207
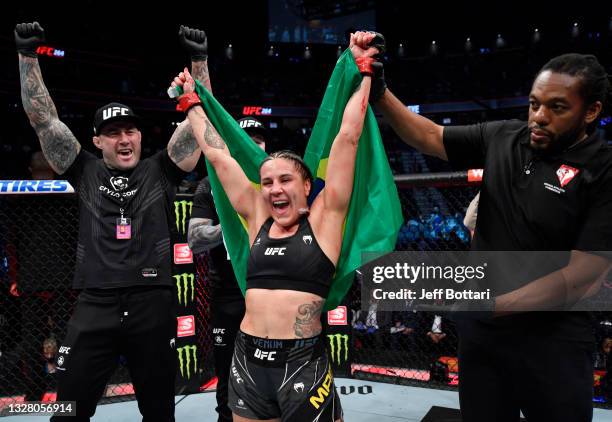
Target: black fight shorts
x,y
290,379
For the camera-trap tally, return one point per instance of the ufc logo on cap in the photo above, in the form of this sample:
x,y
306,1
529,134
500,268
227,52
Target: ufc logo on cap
x,y
114,111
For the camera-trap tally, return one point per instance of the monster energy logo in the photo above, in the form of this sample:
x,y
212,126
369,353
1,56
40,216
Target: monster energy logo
x,y
191,352
336,341
182,211
183,283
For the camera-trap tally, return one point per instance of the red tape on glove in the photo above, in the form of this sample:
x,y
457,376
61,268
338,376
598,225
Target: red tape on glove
x,y
365,65
186,101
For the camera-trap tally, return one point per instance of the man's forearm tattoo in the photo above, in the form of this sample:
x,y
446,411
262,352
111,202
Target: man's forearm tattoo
x,y
306,321
199,71
182,144
58,144
36,100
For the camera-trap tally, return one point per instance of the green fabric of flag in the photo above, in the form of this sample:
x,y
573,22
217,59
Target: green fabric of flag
x,y
374,215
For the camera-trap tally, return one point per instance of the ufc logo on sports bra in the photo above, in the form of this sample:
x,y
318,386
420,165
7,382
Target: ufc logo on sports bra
x,y
275,251
114,111
260,354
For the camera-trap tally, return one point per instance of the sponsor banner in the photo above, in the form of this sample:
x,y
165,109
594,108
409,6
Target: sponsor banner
x,y
185,326
182,212
338,316
20,187
182,254
185,288
188,360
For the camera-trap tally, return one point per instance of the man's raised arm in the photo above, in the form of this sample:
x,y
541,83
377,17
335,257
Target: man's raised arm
x,y
58,144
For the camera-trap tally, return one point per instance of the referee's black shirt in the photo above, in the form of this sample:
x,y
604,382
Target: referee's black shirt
x,y
536,202
145,194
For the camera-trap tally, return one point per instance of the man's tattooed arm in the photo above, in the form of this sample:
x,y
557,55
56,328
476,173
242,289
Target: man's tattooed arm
x,y
203,235
183,147
307,322
58,144
199,71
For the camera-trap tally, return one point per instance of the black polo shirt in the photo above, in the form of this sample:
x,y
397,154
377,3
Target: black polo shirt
x,y
220,273
144,194
536,202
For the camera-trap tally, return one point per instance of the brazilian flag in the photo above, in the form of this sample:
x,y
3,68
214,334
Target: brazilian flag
x,y
374,215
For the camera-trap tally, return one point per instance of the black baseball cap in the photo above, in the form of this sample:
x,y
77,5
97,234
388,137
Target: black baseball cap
x,y
113,112
253,126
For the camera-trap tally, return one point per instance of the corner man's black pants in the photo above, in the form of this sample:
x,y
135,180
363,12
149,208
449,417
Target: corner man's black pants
x,y
226,314
138,323
549,380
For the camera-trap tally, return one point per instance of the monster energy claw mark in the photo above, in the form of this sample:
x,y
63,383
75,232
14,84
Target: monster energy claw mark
x,y
336,341
185,366
182,210
183,283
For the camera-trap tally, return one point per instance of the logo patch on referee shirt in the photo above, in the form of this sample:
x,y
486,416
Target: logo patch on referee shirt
x,y
566,174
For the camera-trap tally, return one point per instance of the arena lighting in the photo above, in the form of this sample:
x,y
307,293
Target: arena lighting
x,y
434,48
45,50
468,44
536,35
307,53
271,51
339,51
229,52
500,42
575,30
400,50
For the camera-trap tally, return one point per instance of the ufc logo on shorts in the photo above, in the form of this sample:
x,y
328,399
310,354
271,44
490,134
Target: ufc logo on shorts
x,y
65,350
114,111
275,251
260,354
218,330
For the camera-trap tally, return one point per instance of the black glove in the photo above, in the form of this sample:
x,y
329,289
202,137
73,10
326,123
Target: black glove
x,y
379,42
194,42
379,86
28,36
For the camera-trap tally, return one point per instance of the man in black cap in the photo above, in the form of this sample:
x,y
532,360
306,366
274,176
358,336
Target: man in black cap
x,y
227,303
126,306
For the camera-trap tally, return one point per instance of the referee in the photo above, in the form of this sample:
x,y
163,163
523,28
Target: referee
x,y
227,303
126,305
547,186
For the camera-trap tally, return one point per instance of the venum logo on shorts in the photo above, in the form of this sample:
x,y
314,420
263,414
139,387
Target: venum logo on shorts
x,y
275,251
323,391
263,355
298,387
60,361
187,356
240,404
307,239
